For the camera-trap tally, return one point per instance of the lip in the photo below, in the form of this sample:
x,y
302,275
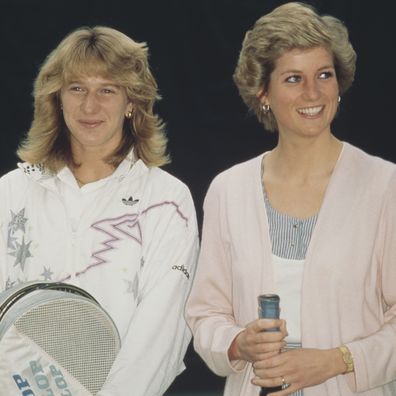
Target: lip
x,y
311,111
90,123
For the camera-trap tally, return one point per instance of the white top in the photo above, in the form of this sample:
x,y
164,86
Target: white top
x,y
130,240
288,277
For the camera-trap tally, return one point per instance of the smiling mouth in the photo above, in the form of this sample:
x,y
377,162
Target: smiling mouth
x,y
310,111
90,124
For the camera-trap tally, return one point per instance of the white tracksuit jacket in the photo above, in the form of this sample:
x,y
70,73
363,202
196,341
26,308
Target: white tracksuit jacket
x,y
130,240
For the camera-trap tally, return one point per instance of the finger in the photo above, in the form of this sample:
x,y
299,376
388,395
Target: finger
x,y
267,382
268,374
265,356
272,361
255,326
270,336
267,324
283,328
287,389
268,347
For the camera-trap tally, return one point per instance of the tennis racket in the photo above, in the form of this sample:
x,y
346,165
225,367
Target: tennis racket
x,y
55,340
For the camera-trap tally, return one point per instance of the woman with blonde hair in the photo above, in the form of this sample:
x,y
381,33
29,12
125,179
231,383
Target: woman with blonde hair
x,y
90,206
313,221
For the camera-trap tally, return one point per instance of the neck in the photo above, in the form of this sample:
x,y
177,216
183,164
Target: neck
x,y
86,173
90,167
305,158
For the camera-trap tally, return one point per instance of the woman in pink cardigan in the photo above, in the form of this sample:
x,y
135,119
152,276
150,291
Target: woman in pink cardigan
x,y
313,220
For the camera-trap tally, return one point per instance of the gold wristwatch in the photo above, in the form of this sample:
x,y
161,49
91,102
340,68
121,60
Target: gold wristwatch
x,y
347,358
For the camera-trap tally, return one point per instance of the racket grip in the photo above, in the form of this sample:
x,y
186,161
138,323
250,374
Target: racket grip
x,y
268,307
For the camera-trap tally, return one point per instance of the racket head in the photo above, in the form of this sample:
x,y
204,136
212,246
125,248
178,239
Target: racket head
x,y
63,325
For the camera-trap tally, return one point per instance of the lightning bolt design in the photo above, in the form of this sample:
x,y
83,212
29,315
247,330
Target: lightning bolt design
x,y
115,230
125,226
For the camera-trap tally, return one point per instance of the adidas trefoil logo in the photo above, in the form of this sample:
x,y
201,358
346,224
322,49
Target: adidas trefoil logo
x,y
130,201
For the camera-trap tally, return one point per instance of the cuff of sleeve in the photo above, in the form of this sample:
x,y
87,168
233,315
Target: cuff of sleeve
x,y
221,361
357,380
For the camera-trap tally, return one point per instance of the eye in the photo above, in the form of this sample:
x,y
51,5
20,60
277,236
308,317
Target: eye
x,y
326,75
76,88
108,91
293,79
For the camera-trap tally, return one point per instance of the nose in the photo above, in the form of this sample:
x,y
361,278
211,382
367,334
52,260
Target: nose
x,y
312,90
90,103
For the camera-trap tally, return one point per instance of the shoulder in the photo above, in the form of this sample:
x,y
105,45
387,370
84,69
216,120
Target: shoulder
x,y
373,169
166,202
369,178
159,188
240,177
154,180
162,185
165,180
13,191
15,179
357,155
25,176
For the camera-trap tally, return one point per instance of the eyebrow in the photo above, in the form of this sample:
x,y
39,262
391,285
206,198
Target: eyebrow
x,y
299,71
104,84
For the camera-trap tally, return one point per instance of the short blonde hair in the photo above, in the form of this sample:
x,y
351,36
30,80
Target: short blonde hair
x,y
111,54
292,25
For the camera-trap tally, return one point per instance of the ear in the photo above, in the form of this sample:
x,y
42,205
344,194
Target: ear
x,y
262,96
129,110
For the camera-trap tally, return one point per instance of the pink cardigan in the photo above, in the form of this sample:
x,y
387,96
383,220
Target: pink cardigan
x,y
349,285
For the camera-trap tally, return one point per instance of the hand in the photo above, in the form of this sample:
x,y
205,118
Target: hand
x,y
300,368
254,344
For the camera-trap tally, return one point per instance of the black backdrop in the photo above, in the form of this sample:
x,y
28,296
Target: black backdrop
x,y
194,47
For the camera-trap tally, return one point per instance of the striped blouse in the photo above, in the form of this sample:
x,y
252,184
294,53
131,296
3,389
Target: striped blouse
x,y
290,237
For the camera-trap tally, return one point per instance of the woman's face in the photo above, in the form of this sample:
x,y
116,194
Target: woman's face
x,y
94,109
303,92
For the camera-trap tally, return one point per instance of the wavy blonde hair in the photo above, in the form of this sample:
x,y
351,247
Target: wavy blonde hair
x,y
289,26
111,54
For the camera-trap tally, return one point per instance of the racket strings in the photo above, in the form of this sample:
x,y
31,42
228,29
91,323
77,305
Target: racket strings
x,y
77,335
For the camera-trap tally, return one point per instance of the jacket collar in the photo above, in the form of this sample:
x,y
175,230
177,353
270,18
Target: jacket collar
x,y
46,178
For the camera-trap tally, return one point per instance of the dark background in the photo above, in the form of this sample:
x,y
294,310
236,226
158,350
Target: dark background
x,y
194,46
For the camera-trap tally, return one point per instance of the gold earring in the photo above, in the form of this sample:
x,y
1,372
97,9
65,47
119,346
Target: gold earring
x,y
128,114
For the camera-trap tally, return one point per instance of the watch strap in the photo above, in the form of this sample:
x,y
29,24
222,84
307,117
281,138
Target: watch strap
x,y
347,358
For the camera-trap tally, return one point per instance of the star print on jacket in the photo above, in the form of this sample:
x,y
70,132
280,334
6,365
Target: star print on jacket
x,y
47,273
16,244
18,221
21,253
